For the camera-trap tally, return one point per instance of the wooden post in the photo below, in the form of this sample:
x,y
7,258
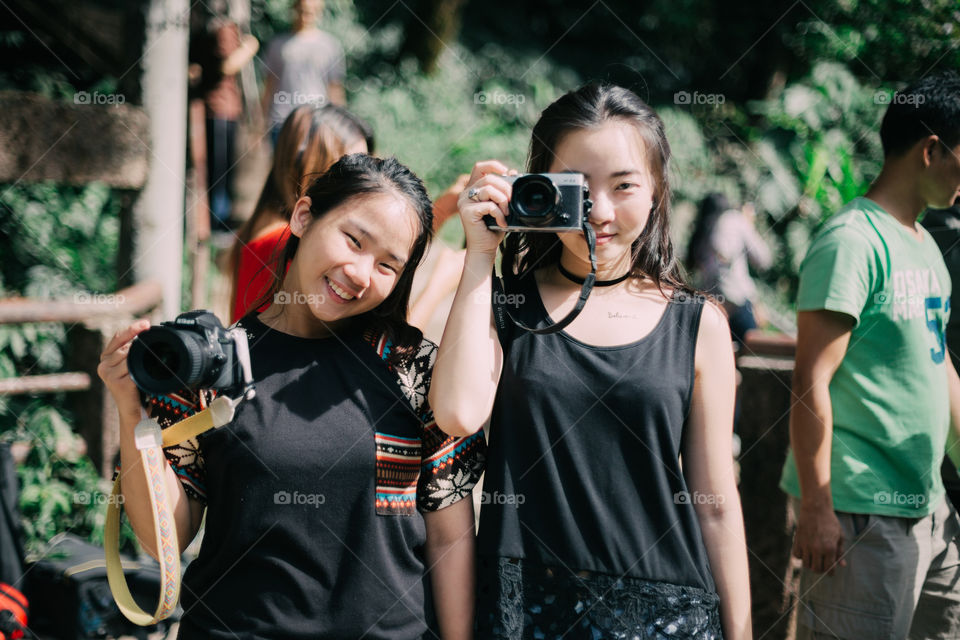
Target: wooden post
x,y
764,435
95,414
159,211
92,324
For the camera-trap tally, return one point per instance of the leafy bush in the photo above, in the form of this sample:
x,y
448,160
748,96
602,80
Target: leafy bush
x,y
57,242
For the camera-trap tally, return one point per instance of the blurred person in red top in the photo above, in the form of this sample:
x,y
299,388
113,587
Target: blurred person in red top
x,y
310,141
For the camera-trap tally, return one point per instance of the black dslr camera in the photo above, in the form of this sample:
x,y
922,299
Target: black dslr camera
x,y
546,202
194,351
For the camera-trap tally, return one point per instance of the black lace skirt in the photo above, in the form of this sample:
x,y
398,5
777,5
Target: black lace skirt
x,y
518,600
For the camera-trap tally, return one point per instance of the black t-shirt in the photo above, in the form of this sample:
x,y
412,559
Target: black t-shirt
x,y
315,490
583,470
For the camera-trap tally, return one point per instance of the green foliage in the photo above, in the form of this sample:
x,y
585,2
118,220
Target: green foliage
x,y
57,242
60,488
798,156
441,125
881,40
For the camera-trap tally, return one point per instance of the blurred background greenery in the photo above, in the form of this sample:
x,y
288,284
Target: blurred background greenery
x,y
777,103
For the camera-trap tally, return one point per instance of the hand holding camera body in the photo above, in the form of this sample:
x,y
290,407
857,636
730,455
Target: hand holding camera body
x,y
193,351
555,202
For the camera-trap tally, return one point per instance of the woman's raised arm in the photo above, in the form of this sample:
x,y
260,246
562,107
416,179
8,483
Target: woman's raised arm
x,y
469,361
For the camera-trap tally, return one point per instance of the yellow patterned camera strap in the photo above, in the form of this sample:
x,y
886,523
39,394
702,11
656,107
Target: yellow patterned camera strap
x,y
150,440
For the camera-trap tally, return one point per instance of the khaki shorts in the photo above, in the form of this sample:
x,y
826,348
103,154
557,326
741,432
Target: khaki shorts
x,y
902,580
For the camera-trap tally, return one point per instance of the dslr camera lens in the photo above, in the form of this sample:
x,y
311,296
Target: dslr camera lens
x,y
194,351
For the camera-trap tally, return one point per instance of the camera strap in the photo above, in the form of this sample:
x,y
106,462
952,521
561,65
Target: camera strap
x,y
150,440
585,290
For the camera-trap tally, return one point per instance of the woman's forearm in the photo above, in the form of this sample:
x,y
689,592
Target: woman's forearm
x,y
450,561
136,493
725,542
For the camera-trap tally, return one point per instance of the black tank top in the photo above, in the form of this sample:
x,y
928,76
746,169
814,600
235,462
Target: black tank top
x,y
583,466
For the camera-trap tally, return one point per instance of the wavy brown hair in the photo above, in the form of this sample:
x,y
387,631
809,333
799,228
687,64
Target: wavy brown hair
x,y
589,107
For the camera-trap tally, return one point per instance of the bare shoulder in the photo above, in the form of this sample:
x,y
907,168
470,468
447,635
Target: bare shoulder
x,y
713,322
713,338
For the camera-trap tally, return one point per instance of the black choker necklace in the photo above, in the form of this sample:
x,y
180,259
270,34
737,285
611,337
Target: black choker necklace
x,y
599,283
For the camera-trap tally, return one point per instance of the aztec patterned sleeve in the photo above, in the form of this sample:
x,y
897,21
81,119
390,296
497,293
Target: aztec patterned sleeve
x,y
185,458
449,467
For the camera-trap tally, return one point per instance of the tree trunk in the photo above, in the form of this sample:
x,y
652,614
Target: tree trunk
x,y
159,211
432,30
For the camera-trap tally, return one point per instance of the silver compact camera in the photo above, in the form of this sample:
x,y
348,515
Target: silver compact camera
x,y
554,202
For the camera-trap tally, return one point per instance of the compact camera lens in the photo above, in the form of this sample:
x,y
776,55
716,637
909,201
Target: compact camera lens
x,y
534,199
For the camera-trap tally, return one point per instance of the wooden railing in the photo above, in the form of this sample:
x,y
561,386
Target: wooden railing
x,y
91,322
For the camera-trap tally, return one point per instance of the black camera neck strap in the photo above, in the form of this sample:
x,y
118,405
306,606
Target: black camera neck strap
x,y
585,289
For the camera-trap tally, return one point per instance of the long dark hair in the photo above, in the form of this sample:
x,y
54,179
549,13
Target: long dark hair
x,y
588,107
359,175
709,211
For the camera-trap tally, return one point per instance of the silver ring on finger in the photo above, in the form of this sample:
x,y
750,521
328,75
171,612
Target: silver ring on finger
x,y
473,194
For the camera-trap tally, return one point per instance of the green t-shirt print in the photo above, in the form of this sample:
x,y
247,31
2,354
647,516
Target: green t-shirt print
x,y
889,395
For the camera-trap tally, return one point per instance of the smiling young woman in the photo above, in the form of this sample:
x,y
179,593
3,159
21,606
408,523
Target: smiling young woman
x,y
332,491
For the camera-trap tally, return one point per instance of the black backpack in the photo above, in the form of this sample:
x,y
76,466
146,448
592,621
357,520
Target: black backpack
x,y
71,599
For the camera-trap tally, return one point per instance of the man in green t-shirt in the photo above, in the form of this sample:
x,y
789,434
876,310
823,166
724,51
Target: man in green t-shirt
x,y
875,394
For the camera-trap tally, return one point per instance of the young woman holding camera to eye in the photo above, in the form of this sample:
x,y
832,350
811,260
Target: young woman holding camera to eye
x,y
607,535
331,492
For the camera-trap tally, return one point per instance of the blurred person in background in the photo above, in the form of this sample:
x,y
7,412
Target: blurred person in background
x,y
305,66
217,54
311,140
724,244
